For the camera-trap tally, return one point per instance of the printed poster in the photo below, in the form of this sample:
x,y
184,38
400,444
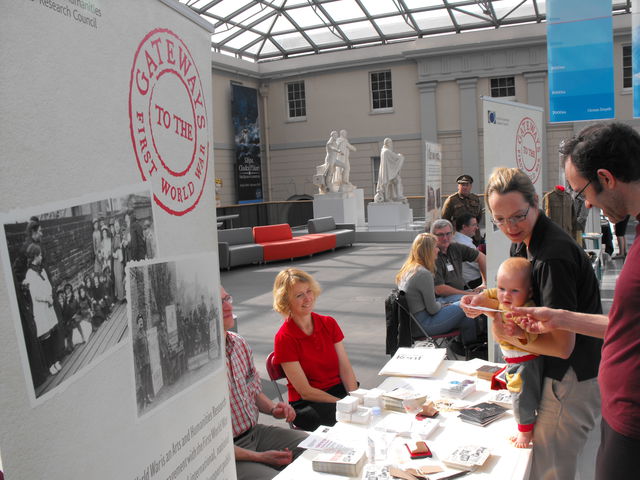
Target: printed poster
x,y
580,57
107,169
512,138
433,182
246,130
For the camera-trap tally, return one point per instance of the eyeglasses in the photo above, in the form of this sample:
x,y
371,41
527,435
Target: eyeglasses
x,y
228,299
579,195
443,234
499,222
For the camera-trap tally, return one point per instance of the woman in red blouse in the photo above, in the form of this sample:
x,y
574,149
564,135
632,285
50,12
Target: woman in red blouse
x,y
309,348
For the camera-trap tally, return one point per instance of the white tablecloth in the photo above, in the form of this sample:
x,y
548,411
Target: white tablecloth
x,y
506,462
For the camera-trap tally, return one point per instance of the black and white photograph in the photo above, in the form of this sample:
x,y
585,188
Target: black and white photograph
x,y
67,267
175,326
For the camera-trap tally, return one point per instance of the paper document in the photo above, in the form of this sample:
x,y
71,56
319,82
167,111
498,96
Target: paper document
x,y
486,309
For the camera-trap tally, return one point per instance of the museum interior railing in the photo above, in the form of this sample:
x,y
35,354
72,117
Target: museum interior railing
x,y
294,212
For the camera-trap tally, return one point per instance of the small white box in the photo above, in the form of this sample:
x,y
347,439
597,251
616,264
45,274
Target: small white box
x,y
359,393
373,398
347,404
362,415
343,417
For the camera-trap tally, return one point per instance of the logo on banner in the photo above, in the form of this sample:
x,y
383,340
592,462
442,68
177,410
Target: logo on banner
x,y
168,121
491,116
529,149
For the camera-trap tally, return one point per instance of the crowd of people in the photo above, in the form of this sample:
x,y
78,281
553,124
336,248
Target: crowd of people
x,y
561,374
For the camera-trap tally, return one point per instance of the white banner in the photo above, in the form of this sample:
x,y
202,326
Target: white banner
x,y
513,137
433,182
107,148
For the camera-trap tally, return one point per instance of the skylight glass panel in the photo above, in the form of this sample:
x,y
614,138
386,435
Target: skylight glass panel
x,y
223,32
196,3
226,7
282,25
344,10
435,20
291,41
376,7
359,30
269,48
423,3
265,26
463,15
503,8
306,17
393,25
324,36
293,3
241,40
252,14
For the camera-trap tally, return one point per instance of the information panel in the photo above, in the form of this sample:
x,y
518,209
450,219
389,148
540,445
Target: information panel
x,y
107,219
580,57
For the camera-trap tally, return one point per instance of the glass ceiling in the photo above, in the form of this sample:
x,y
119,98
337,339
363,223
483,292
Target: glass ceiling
x,y
260,30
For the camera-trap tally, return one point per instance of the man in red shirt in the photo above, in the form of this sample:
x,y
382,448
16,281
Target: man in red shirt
x,y
602,165
260,450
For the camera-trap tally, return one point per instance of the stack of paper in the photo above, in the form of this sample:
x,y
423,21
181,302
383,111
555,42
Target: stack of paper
x,y
393,399
347,463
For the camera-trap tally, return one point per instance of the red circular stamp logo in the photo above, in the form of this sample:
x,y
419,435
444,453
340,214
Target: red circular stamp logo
x,y
168,121
529,149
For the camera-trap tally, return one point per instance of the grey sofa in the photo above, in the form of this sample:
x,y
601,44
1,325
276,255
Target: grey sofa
x,y
345,232
236,247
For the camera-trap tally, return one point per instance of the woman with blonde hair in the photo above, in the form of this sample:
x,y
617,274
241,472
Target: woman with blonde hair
x,y
415,278
309,348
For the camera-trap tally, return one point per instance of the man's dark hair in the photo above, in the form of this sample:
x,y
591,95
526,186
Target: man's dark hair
x,y
613,146
463,221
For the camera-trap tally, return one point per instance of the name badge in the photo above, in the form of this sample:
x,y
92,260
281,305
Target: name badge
x,y
449,267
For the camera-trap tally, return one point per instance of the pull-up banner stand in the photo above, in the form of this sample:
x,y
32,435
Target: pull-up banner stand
x,y
111,340
580,56
512,138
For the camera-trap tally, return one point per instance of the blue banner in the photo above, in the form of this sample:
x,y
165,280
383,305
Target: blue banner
x,y
580,58
246,131
635,56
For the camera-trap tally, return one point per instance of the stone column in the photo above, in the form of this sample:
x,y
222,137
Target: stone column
x,y
428,118
469,128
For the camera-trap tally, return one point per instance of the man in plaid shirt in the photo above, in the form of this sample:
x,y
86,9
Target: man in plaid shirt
x,y
260,450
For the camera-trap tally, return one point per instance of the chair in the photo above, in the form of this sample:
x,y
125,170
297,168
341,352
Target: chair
x,y
275,372
416,330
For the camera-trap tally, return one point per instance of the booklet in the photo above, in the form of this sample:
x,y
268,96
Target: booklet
x,y
414,362
482,413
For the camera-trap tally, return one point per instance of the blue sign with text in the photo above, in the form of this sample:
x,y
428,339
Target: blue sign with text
x,y
580,60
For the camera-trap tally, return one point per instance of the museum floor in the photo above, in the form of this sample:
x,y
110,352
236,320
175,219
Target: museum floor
x,y
355,282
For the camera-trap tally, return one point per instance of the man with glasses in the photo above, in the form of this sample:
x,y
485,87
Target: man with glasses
x,y
260,450
449,281
466,228
602,164
463,202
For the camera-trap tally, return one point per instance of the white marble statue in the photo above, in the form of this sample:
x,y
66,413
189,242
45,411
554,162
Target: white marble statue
x,y
343,167
389,187
333,174
323,178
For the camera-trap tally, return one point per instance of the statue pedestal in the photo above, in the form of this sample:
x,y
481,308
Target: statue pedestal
x,y
389,215
344,207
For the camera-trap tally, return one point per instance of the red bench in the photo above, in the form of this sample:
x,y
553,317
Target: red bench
x,y
278,242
